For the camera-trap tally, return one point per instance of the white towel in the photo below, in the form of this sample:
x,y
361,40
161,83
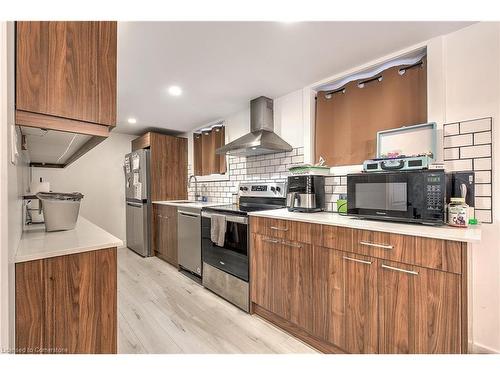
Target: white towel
x,y
218,229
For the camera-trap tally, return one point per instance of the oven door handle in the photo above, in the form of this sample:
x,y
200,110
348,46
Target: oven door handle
x,y
230,218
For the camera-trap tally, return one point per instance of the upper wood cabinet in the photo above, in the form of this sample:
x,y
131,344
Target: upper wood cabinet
x,y
168,165
205,160
66,75
348,119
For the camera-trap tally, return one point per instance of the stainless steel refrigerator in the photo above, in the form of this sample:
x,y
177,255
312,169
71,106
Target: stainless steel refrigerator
x,y
138,201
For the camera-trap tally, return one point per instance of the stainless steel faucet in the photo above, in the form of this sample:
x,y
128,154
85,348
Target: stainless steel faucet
x,y
196,195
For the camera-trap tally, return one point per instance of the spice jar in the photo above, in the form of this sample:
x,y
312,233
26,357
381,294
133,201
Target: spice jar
x,y
458,213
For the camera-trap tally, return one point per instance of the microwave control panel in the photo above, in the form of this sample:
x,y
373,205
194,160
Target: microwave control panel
x,y
435,192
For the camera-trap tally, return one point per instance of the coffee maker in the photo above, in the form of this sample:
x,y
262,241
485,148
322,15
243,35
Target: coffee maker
x,y
305,193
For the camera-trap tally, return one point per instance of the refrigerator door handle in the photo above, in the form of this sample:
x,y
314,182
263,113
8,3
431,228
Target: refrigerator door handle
x,y
138,205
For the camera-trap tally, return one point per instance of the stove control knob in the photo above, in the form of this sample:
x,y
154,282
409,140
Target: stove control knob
x,y
273,189
278,189
243,188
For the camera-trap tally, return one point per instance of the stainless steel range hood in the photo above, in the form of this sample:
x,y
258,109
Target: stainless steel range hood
x,y
261,139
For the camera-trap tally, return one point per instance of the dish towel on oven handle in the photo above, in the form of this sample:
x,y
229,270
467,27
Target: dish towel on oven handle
x,y
218,229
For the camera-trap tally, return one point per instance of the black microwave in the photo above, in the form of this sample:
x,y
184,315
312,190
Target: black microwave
x,y
408,196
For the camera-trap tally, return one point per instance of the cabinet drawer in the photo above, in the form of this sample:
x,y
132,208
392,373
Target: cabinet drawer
x,y
339,238
286,229
425,252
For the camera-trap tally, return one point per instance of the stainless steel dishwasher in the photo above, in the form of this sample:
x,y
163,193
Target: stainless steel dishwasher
x,y
189,239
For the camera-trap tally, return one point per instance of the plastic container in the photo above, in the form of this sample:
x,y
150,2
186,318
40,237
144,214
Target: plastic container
x,y
60,210
458,213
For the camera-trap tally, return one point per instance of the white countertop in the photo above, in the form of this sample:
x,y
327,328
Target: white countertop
x,y
192,204
330,218
36,243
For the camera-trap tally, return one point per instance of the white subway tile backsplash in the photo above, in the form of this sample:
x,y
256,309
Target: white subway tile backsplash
x,y
340,189
484,216
482,190
475,126
451,153
482,138
458,140
458,165
298,159
482,203
451,129
482,164
483,177
461,155
475,151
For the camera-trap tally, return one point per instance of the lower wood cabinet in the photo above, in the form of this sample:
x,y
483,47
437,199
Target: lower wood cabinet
x,y
420,310
164,233
67,304
349,302
345,300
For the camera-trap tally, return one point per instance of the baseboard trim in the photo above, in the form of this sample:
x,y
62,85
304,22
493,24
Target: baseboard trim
x,y
482,349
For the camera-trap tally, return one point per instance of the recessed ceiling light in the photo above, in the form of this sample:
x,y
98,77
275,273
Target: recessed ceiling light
x,y
174,90
132,120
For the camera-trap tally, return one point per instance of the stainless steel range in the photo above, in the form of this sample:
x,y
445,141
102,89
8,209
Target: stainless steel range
x,y
225,239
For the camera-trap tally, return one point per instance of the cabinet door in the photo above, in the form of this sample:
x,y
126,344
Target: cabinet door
x,y
419,310
166,234
208,151
219,141
281,278
197,155
345,300
264,257
168,167
67,69
67,304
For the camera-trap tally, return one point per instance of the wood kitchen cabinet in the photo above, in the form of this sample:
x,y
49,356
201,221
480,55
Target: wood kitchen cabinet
x,y
205,160
345,290
345,300
420,310
67,304
165,233
281,270
168,165
66,75
197,150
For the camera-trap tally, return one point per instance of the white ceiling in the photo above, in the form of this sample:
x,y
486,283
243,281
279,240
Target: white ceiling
x,y
222,65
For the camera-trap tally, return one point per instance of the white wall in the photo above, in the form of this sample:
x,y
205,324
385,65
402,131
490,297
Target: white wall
x,y
471,65
98,175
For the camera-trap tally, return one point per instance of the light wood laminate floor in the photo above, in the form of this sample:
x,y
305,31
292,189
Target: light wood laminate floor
x,y
162,311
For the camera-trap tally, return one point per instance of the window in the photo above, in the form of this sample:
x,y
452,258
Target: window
x,y
205,160
349,117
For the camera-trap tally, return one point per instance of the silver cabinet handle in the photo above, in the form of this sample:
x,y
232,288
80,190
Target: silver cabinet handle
x,y
271,240
190,214
399,269
376,245
222,263
280,229
291,244
357,260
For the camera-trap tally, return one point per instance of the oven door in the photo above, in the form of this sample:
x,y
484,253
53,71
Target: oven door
x,y
233,256
382,195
